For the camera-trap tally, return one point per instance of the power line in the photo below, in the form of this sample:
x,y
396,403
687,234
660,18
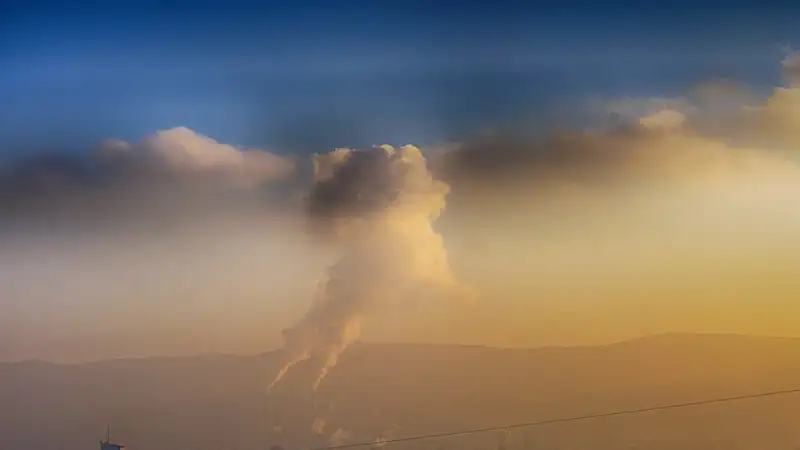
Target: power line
x,y
567,419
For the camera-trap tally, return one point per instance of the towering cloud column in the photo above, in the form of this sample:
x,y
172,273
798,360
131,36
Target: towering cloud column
x,y
378,206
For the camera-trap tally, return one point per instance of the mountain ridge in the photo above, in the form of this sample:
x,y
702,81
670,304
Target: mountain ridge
x,y
645,339
219,401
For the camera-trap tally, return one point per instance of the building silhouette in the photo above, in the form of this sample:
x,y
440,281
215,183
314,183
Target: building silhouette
x,y
107,444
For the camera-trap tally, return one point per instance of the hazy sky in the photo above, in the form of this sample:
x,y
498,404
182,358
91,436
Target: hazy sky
x,y
154,158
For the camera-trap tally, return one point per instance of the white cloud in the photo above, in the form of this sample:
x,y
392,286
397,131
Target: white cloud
x,y
182,152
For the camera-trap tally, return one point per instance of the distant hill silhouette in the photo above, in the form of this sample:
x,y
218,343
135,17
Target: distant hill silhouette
x,y
219,402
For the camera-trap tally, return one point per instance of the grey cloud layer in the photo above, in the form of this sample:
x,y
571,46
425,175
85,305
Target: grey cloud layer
x,y
170,173
717,131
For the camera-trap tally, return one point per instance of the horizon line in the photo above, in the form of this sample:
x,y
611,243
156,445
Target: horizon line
x,y
276,350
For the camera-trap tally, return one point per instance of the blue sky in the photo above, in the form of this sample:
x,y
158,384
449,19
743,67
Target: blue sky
x,y
298,76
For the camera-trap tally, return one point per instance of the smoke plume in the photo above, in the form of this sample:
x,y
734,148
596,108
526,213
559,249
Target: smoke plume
x,y
379,206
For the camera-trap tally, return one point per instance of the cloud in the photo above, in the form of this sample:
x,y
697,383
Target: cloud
x,y
661,140
98,247
633,108
725,110
174,173
378,205
668,188
717,163
182,153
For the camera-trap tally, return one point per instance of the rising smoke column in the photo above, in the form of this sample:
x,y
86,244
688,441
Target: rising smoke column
x,y
378,205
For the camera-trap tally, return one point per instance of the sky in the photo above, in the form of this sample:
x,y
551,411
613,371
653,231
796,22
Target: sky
x,y
361,72
154,158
